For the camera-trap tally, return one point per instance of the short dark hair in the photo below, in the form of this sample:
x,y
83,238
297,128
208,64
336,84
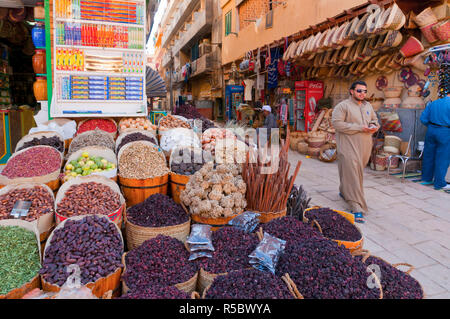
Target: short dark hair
x,y
359,82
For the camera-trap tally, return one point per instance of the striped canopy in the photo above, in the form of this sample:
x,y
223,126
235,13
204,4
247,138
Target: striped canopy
x,y
155,86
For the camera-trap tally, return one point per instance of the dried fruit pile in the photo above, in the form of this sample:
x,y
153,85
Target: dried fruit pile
x,y
232,247
184,161
139,123
168,122
33,162
190,112
135,137
102,124
87,164
160,261
333,225
142,161
19,257
41,202
52,141
396,283
169,292
248,284
88,198
215,192
211,136
323,270
290,229
92,138
93,243
158,210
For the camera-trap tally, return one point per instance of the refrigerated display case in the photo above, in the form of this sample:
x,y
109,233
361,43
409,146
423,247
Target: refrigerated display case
x,y
234,96
307,93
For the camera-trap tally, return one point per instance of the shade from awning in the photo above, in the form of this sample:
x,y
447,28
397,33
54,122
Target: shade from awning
x,y
155,86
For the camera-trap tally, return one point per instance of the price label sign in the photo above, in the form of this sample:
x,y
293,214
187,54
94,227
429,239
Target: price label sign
x,y
20,209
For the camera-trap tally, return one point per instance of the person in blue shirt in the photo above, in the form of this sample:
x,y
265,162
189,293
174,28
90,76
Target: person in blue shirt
x,y
436,153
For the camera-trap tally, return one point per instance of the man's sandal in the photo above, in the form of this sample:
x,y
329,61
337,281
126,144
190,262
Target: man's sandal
x,y
359,218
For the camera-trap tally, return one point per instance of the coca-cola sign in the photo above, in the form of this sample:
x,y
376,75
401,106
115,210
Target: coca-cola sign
x,y
315,85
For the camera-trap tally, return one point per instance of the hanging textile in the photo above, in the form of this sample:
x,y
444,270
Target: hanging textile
x,y
273,68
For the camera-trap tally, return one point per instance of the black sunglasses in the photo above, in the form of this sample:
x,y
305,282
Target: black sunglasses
x,y
361,91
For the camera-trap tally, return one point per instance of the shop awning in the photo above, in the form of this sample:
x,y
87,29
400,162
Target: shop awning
x,y
155,86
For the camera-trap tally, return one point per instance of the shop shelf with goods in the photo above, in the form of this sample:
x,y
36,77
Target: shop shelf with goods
x,y
99,59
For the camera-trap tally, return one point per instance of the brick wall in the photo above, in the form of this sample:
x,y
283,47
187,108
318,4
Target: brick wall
x,y
251,10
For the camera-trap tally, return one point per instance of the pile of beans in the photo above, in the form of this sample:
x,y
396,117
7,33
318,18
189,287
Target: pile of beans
x,y
290,229
323,270
33,162
52,141
231,249
41,202
159,292
158,210
103,124
135,137
88,198
93,243
92,138
187,162
142,161
333,225
396,283
160,261
248,284
19,257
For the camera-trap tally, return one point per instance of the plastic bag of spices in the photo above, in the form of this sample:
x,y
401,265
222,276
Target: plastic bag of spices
x,y
265,256
199,242
247,221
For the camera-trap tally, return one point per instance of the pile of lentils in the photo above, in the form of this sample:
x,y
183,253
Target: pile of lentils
x,y
396,283
187,162
231,249
158,210
248,284
323,270
41,202
19,257
88,198
160,261
159,292
133,137
333,225
52,141
93,243
95,137
32,162
142,161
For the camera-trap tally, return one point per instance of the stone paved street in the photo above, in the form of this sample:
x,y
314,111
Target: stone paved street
x,y
407,222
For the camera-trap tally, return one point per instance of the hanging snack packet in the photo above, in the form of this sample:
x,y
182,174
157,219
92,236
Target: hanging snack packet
x,y
199,241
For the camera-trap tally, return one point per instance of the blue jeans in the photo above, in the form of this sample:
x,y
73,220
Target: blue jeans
x,y
436,155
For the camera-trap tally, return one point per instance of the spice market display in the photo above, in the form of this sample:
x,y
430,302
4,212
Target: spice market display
x,y
142,196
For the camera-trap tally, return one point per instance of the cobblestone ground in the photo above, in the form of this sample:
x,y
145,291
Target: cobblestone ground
x,y
407,222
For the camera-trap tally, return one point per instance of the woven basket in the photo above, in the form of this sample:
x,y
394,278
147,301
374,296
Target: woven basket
x,y
392,103
394,142
322,155
411,47
442,30
380,162
373,20
442,12
265,217
426,17
351,32
429,34
392,39
394,18
381,64
302,147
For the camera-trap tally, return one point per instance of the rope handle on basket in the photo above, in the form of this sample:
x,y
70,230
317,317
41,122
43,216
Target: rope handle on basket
x,y
315,222
411,267
292,286
363,252
195,295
